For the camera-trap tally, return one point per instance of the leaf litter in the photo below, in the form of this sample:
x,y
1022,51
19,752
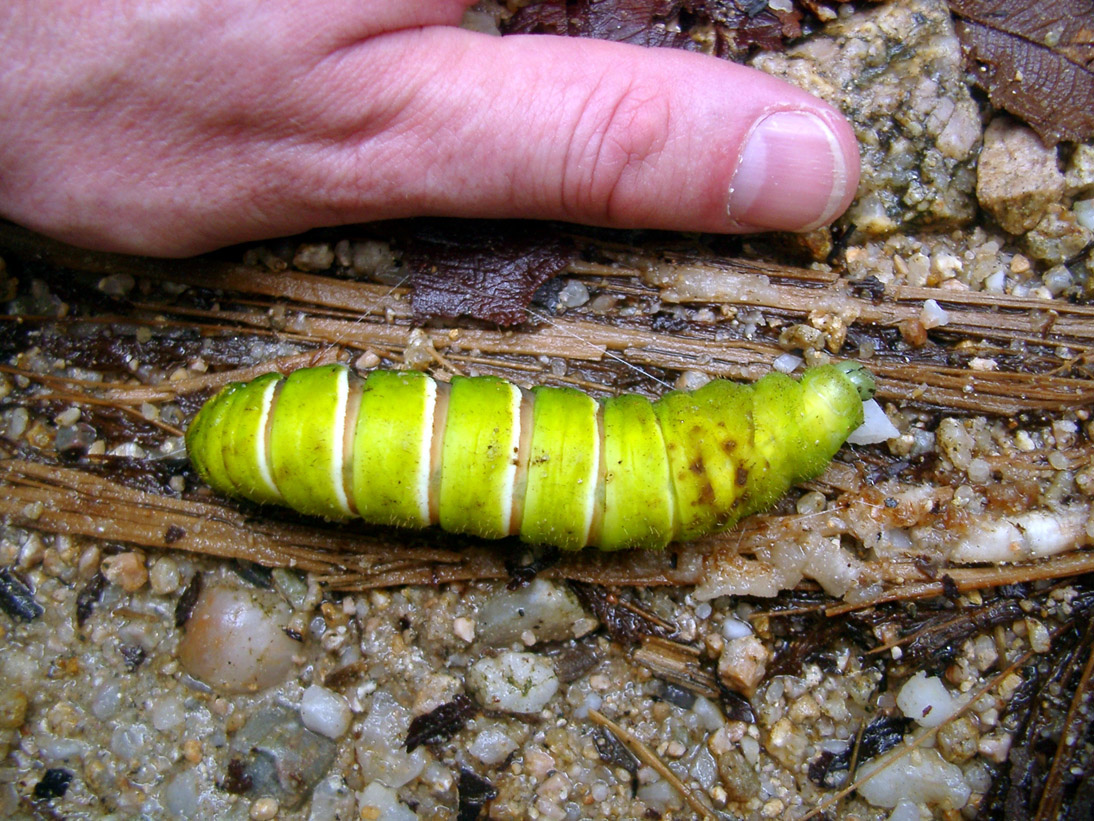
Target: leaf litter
x,y
1034,59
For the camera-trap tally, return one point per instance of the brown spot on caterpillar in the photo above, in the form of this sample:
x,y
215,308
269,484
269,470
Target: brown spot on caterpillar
x,y
729,445
706,494
697,467
742,476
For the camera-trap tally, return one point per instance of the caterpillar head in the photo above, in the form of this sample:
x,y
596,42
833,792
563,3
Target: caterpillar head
x,y
861,378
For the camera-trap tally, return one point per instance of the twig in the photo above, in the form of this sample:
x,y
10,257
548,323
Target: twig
x,y
648,756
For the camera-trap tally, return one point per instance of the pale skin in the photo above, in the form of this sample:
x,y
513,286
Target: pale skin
x,y
173,127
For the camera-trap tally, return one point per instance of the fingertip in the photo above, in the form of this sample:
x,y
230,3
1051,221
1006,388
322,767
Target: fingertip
x,y
798,169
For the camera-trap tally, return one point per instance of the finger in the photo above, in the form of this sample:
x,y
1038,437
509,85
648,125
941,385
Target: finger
x,y
579,130
343,22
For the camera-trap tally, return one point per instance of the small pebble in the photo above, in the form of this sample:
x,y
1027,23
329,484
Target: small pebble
x,y
464,628
735,629
932,315
541,611
191,750
926,700
69,416
116,284
234,640
127,570
381,803
325,712
264,809
366,361
164,575
491,746
13,708
742,664
573,295
1039,639
317,256
513,682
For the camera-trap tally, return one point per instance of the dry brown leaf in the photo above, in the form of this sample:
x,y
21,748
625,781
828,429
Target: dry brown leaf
x,y
1035,60
467,268
728,28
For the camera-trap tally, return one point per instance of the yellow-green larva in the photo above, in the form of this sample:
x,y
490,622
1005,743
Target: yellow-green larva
x,y
552,465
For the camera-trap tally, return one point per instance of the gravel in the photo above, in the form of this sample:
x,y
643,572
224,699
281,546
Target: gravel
x,y
289,701
897,70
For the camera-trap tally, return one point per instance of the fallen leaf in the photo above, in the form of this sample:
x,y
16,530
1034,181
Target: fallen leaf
x,y
1035,60
726,28
880,736
614,753
487,271
624,619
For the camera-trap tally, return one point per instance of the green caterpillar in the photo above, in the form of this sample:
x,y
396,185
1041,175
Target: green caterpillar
x,y
552,465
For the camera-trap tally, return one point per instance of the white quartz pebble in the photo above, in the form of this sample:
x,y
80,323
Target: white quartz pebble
x,y
919,776
325,712
491,746
513,682
926,701
380,801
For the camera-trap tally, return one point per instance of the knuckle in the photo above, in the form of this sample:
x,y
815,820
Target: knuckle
x,y
619,138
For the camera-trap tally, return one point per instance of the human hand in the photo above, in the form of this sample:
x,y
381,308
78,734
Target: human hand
x,y
170,128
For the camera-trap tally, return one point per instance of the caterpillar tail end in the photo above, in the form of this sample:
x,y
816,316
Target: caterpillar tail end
x,y
860,377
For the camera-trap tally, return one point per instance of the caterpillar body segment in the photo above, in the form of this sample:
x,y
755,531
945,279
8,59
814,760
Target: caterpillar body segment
x,y
561,490
391,484
480,447
639,500
552,465
307,460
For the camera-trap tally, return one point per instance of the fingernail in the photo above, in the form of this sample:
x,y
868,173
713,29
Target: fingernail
x,y
792,175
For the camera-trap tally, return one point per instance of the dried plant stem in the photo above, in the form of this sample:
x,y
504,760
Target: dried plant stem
x,y
649,757
980,578
84,399
382,315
